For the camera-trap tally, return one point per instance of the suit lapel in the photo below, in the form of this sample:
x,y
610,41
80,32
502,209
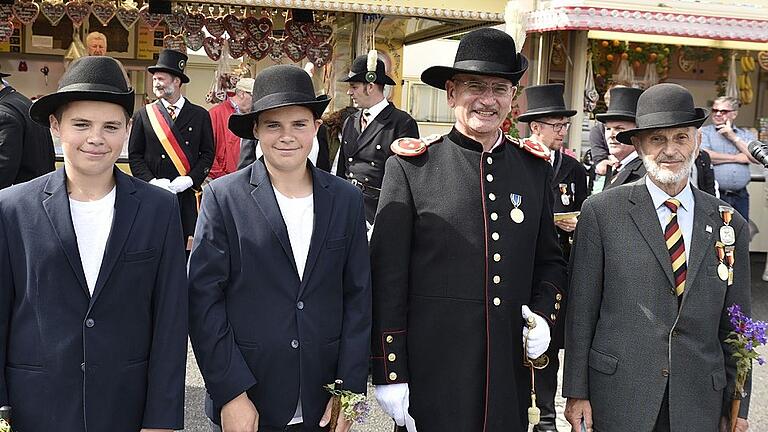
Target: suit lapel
x,y
267,203
126,208
376,125
56,206
184,116
647,221
701,239
323,202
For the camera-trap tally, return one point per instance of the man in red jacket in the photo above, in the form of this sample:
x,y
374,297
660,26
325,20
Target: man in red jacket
x,y
227,143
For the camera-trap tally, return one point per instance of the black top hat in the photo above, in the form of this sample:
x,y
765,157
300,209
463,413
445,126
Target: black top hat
x,y
275,87
664,106
358,72
97,78
545,101
3,75
484,51
172,62
623,105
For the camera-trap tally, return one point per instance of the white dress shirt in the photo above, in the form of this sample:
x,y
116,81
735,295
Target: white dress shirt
x,y
684,212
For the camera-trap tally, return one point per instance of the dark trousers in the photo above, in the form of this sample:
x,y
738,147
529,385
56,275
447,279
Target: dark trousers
x,y
546,388
738,199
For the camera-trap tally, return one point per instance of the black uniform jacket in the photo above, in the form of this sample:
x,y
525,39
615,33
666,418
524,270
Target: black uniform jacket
x,y
26,148
111,361
633,171
362,156
451,270
257,327
149,160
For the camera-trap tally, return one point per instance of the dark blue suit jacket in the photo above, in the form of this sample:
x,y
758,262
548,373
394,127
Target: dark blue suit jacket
x,y
255,326
113,361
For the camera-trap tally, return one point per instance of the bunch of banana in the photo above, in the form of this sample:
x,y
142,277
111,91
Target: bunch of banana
x,y
746,92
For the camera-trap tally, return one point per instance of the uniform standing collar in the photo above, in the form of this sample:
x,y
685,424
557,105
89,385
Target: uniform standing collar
x,y
470,144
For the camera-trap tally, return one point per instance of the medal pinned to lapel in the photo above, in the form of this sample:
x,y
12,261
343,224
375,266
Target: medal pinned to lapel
x,y
730,259
722,269
564,197
727,234
516,214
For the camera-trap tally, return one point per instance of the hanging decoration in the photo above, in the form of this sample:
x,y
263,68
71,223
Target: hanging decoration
x,y
6,12
152,20
176,20
213,47
590,91
175,42
127,14
53,10
103,11
320,55
762,60
294,50
6,30
276,50
76,49
732,86
195,40
77,11
746,93
26,12
223,79
236,48
195,22
625,74
259,28
235,27
651,76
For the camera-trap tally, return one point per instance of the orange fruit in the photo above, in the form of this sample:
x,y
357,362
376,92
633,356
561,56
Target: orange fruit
x,y
609,57
624,56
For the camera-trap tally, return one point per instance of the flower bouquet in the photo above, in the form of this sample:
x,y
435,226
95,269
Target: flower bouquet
x,y
352,406
746,335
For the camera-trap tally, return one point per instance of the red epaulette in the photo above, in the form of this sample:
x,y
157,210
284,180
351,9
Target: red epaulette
x,y
531,147
413,146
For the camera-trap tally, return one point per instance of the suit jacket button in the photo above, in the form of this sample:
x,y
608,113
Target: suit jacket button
x,y
390,339
294,343
186,142
350,159
162,156
378,147
391,357
300,305
190,128
82,367
490,160
494,216
90,322
675,333
665,372
557,306
496,301
558,296
392,376
497,257
492,197
553,317
489,177
373,163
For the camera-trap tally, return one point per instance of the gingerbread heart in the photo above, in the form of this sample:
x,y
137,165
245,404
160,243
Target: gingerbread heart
x,y
258,50
152,20
258,28
175,42
276,52
236,48
215,26
235,27
6,30
77,11
319,33
104,12
176,21
213,47
127,16
195,40
762,60
54,12
26,12
195,22
296,30
294,50
320,55
251,45
6,12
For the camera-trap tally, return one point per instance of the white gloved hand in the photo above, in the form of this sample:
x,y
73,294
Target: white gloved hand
x,y
393,399
162,183
538,337
181,183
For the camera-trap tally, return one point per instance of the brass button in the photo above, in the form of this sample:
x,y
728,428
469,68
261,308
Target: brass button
x,y
392,376
391,357
497,257
390,339
553,317
492,197
665,372
557,306
495,236
489,177
378,147
675,333
494,216
496,301
490,160
496,279
558,297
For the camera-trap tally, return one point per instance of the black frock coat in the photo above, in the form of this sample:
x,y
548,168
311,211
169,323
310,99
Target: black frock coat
x,y
633,171
450,273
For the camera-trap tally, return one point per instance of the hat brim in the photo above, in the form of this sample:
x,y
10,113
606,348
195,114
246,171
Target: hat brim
x,y
606,117
4,75
436,76
625,137
532,116
361,78
42,108
174,72
242,124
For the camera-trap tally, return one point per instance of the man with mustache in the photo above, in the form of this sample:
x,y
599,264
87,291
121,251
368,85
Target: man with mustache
x,y
651,281
171,143
474,254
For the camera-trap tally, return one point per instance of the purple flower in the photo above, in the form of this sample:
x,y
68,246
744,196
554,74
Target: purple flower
x,y
760,361
748,346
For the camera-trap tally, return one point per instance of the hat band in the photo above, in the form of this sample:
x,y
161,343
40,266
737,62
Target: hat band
x,y
482,66
665,118
93,87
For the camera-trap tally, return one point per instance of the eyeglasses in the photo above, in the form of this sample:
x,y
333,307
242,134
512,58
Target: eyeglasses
x,y
478,88
723,112
557,127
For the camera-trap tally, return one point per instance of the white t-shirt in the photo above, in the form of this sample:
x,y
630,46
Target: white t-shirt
x,y
299,217
93,222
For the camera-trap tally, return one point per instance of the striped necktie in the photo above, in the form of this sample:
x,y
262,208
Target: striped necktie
x,y
364,119
172,111
674,238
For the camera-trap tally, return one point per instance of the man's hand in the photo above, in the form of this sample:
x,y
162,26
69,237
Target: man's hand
x,y
578,410
181,183
602,166
538,336
741,158
742,425
239,415
393,399
567,225
162,183
726,130
342,425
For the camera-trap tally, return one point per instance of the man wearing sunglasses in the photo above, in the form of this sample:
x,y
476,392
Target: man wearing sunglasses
x,y
727,145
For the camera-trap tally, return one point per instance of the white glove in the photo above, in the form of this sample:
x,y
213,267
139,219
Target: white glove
x,y
162,183
181,183
394,399
538,337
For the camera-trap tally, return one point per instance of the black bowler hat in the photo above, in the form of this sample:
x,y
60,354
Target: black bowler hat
x,y
275,87
545,101
172,62
358,72
96,78
3,75
484,51
623,105
664,106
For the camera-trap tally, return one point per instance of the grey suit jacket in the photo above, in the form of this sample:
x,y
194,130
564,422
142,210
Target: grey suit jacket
x,y
625,338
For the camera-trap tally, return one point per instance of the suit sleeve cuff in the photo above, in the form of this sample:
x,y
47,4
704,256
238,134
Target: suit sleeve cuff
x,y
389,363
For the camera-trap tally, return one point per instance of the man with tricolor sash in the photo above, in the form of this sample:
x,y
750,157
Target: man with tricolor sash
x,y
171,144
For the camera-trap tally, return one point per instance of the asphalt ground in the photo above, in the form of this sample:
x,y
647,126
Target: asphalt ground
x,y
195,420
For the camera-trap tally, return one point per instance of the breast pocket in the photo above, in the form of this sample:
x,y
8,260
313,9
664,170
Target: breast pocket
x,y
139,256
337,243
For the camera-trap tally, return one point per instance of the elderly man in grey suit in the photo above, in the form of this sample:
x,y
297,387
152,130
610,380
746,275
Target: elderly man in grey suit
x,y
650,286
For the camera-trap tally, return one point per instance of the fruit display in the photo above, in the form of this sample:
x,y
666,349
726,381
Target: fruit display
x,y
746,92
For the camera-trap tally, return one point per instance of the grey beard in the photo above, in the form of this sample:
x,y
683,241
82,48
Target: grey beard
x,y
665,176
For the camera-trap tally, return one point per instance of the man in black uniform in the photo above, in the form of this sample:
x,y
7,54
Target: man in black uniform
x,y
171,143
367,134
548,119
620,117
475,255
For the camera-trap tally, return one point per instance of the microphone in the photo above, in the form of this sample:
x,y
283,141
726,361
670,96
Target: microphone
x,y
759,151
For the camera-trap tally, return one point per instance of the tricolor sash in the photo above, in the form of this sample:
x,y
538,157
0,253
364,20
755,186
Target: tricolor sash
x,y
170,143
